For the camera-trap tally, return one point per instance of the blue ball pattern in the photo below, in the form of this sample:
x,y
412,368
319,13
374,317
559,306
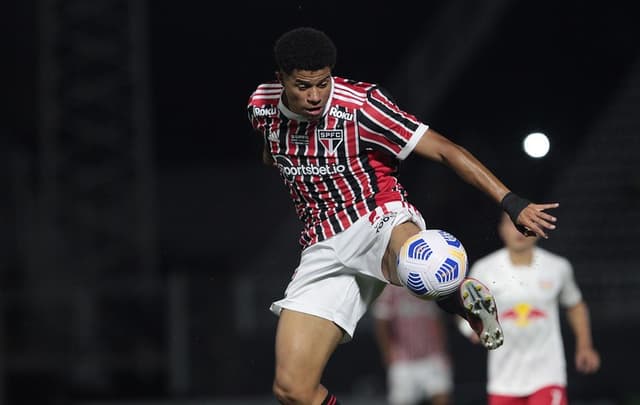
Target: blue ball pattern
x,y
415,283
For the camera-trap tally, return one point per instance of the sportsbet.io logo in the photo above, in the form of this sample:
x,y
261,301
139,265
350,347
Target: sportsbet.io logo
x,y
289,171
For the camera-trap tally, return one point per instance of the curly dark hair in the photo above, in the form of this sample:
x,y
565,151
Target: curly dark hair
x,y
304,48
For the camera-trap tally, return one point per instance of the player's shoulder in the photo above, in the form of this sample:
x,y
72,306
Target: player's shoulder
x,y
266,94
489,263
552,257
351,91
491,257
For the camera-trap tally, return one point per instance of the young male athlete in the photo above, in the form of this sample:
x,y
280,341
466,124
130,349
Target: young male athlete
x,y
529,284
337,144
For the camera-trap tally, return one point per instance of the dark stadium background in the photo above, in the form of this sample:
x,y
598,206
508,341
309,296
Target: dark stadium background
x,y
142,240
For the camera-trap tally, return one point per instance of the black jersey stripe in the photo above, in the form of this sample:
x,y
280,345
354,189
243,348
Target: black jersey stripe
x,y
372,126
397,116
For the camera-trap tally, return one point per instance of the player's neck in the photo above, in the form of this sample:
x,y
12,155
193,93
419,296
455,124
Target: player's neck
x,y
521,258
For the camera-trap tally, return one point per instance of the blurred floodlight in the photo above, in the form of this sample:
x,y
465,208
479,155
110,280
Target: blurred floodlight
x,y
536,145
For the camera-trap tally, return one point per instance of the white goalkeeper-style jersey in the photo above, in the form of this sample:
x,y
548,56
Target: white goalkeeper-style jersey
x,y
528,300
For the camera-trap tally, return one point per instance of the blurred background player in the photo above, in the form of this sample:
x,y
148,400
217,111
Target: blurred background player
x,y
529,284
411,335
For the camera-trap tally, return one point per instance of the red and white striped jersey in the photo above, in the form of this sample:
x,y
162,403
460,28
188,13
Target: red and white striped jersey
x,y
342,166
417,329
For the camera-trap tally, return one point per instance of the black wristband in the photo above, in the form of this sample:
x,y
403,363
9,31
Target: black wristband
x,y
513,205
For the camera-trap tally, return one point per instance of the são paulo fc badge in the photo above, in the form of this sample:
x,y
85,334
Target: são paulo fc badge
x,y
330,139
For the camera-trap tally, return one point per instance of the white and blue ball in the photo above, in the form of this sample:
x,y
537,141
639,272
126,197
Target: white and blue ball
x,y
432,264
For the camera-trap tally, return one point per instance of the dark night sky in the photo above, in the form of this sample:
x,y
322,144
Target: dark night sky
x,y
548,65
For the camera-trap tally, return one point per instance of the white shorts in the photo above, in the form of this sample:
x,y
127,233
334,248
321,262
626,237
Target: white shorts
x,y
338,278
412,381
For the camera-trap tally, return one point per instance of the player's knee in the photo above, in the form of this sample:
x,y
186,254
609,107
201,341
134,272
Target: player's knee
x,y
432,264
288,391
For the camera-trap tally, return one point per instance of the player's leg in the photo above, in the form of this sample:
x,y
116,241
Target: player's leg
x,y
437,380
322,306
399,236
304,344
479,309
403,384
471,299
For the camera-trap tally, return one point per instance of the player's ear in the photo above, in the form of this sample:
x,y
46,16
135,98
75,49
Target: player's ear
x,y
278,76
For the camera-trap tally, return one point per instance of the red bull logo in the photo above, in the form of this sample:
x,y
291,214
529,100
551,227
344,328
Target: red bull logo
x,y
522,314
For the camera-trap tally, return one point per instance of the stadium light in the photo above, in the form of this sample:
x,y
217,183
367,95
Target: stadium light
x,y
536,145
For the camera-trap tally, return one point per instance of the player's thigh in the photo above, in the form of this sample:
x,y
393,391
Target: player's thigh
x,y
304,344
399,236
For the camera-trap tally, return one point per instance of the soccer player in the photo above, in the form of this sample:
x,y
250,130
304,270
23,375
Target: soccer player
x,y
529,284
337,144
411,336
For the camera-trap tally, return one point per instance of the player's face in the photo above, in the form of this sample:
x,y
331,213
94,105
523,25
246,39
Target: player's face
x,y
306,92
512,238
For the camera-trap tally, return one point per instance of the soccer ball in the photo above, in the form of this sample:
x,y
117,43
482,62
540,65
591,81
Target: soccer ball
x,y
432,264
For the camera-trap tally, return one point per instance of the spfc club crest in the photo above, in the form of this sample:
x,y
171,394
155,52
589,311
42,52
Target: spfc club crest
x,y
331,139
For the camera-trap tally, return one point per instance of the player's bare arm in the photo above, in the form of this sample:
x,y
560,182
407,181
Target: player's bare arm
x,y
531,218
587,359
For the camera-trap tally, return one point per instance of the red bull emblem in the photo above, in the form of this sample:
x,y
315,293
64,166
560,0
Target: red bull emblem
x,y
522,314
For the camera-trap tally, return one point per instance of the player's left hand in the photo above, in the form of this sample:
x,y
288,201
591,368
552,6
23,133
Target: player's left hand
x,y
587,360
533,220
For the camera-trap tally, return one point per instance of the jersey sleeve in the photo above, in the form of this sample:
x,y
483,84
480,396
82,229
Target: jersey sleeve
x,y
253,119
262,107
384,126
570,293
